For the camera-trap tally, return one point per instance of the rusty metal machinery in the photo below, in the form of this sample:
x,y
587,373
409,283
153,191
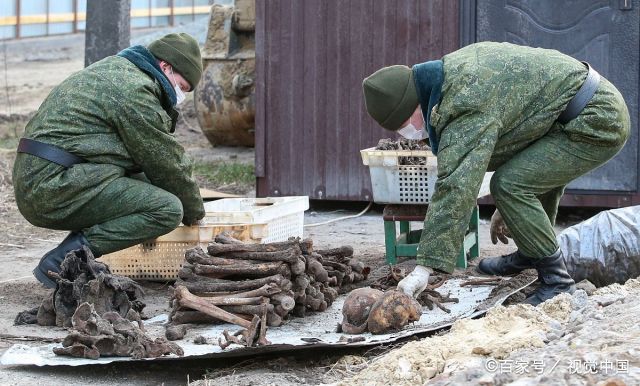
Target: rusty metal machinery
x,y
225,97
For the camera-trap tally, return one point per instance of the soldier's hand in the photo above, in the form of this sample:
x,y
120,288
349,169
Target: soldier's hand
x,y
498,229
192,222
415,282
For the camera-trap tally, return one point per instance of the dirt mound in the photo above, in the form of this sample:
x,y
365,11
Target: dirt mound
x,y
502,331
567,340
596,345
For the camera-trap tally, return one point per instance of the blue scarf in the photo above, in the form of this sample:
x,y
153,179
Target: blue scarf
x,y
147,63
428,77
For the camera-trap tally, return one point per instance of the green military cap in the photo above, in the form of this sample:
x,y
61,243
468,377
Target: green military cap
x,y
182,52
390,96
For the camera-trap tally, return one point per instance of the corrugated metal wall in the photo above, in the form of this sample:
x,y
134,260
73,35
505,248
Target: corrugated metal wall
x,y
311,58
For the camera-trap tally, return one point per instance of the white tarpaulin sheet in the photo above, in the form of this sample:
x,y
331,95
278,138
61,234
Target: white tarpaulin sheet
x,y
315,330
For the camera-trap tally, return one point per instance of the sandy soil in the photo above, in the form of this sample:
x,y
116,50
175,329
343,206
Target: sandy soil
x,y
567,340
31,68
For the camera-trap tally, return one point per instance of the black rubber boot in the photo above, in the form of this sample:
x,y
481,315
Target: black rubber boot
x,y
52,260
554,279
505,265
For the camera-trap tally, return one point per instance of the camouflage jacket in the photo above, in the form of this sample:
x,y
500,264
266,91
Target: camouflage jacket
x,y
112,115
497,99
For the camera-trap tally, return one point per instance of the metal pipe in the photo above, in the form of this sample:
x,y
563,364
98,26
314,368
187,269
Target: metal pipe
x,y
47,10
18,16
171,13
75,16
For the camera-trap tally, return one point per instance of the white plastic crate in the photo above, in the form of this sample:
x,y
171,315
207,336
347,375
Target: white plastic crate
x,y
283,216
393,183
162,258
259,220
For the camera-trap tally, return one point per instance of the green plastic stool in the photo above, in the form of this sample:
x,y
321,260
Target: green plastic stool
x,y
406,243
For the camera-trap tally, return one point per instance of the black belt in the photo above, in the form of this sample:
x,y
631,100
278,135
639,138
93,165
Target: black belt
x,y
48,152
582,97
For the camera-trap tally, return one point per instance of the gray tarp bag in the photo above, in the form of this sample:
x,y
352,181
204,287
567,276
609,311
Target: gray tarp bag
x,y
604,249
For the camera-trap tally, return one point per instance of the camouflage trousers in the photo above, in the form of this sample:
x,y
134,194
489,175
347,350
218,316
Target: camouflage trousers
x,y
126,212
527,188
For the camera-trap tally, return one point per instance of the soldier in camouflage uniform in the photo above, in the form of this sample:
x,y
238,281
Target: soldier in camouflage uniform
x,y
495,107
129,179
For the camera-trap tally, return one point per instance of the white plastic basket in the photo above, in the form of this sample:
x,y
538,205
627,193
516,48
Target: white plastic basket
x,y
393,183
259,220
162,258
283,216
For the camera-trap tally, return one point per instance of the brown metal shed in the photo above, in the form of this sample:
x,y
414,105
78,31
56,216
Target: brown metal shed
x,y
311,58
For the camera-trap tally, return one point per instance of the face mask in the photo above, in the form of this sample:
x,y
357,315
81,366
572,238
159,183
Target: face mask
x,y
180,96
409,131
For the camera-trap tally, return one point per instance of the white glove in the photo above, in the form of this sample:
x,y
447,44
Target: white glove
x,y
498,229
416,281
